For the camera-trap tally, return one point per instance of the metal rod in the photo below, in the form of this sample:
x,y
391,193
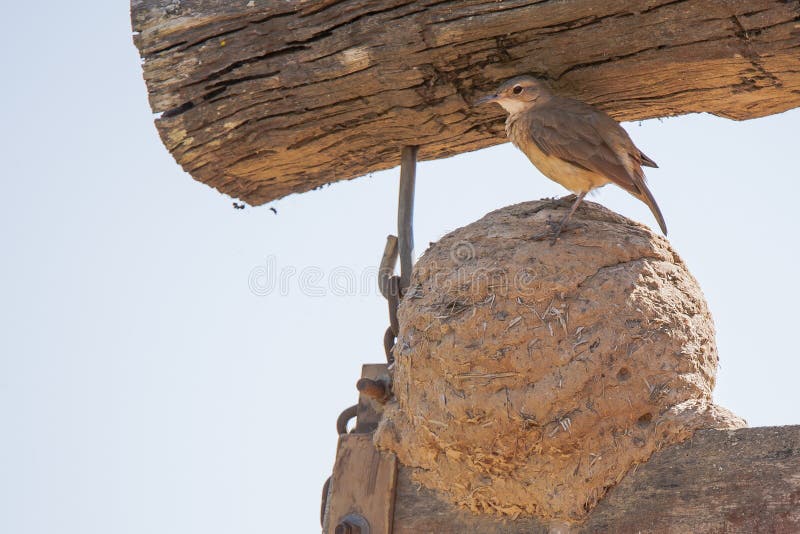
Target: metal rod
x,y
388,345
405,213
388,263
394,303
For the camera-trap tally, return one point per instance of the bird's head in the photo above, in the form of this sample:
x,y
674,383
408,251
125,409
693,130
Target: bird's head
x,y
519,94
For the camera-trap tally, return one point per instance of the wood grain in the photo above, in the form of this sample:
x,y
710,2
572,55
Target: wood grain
x,y
261,99
363,484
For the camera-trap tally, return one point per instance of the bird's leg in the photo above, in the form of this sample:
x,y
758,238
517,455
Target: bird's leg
x,y
566,219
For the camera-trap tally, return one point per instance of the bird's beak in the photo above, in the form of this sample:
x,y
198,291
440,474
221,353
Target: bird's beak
x,y
486,99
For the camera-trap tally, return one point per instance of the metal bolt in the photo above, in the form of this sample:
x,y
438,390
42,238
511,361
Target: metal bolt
x,y
374,389
346,527
352,524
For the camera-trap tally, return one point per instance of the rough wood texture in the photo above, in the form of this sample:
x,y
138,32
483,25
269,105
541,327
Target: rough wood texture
x,y
363,483
261,99
736,481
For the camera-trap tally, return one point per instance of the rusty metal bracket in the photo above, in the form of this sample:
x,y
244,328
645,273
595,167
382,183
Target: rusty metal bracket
x,y
351,504
344,418
391,286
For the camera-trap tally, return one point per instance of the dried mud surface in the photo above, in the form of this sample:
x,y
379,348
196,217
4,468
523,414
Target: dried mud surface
x,y
530,378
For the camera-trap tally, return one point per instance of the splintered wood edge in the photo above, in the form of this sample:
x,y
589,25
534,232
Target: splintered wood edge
x,y
262,99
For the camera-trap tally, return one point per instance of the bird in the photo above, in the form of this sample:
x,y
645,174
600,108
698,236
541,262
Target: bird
x,y
572,143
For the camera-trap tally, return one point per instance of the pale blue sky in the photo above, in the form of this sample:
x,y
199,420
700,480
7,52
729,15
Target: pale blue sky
x,y
145,388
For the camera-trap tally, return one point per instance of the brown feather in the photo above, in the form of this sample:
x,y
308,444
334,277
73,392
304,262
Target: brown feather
x,y
646,161
589,139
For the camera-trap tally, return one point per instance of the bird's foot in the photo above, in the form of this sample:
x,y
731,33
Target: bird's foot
x,y
554,230
563,202
552,203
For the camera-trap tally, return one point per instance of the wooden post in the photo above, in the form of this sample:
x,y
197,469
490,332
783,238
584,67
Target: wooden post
x,y
360,496
362,488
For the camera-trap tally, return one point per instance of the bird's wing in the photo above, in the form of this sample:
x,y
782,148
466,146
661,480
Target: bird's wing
x,y
588,138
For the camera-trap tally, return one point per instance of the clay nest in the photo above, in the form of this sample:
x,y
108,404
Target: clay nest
x,y
530,378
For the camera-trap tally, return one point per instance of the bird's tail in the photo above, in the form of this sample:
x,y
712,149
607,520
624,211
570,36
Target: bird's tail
x,y
647,162
647,197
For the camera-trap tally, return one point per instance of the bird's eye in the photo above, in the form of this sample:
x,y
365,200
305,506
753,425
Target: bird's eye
x,y
517,89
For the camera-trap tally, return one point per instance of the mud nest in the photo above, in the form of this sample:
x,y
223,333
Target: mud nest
x,y
530,378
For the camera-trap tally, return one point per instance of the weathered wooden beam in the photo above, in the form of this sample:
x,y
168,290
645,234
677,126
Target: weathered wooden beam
x,y
731,481
261,99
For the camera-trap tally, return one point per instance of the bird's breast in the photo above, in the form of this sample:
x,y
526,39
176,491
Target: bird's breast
x,y
570,176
